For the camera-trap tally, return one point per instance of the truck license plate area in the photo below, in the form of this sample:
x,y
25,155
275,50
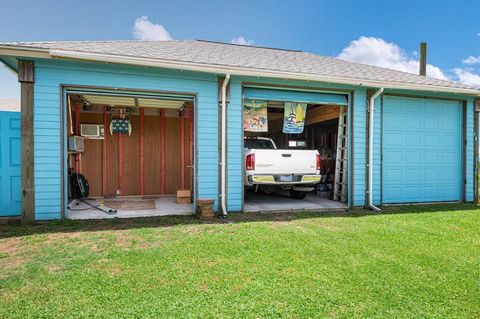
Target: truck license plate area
x,y
286,178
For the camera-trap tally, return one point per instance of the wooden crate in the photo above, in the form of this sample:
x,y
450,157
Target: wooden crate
x,y
184,196
204,208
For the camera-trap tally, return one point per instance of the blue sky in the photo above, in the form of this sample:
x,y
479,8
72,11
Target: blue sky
x,y
386,33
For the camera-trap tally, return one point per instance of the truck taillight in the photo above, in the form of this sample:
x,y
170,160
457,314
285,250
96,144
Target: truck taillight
x,y
250,162
318,162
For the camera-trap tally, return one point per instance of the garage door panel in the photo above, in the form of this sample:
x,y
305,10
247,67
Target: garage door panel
x,y
412,194
395,194
447,124
413,175
430,175
449,193
431,193
449,140
447,158
392,123
393,156
412,139
431,140
394,139
422,150
393,175
411,123
431,123
430,157
412,158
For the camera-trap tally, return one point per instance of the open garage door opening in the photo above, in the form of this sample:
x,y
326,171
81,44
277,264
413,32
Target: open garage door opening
x,y
296,150
128,154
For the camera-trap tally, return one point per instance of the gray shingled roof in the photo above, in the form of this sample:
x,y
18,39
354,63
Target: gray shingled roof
x,y
230,55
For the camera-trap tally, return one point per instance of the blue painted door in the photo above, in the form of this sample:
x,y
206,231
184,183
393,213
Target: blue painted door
x,y
10,164
422,150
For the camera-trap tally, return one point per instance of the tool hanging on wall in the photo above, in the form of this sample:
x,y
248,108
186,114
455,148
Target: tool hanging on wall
x,y
120,120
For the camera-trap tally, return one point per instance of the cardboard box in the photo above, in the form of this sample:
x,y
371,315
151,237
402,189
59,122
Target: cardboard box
x,y
184,196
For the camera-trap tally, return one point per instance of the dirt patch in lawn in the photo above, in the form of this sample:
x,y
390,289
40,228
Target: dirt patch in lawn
x,y
10,245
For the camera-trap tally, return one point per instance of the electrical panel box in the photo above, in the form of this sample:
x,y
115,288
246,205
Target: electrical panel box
x,y
75,144
95,131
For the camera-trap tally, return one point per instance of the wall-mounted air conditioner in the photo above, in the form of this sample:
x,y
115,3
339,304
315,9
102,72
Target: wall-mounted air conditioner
x,y
96,131
75,144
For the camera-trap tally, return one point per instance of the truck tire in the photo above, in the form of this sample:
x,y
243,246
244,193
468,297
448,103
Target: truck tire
x,y
297,194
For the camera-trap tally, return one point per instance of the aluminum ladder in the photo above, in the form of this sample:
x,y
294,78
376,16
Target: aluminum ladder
x,y
341,164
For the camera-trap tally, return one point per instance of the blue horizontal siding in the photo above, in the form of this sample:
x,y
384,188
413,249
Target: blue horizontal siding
x,y
359,140
50,75
470,161
235,151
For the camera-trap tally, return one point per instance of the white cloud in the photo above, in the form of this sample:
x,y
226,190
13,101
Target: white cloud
x,y
466,76
242,41
146,30
471,60
378,52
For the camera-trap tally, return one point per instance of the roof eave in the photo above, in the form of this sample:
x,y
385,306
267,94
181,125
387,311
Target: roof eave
x,y
209,68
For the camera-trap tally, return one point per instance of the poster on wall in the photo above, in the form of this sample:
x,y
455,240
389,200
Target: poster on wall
x,y
255,116
294,117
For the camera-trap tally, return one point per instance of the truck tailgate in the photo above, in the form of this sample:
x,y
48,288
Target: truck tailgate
x,y
285,162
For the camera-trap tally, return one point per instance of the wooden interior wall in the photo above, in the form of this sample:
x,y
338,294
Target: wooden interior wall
x,y
152,155
92,157
91,160
131,158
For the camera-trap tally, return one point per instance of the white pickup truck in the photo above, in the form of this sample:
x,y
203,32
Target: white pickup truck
x,y
267,167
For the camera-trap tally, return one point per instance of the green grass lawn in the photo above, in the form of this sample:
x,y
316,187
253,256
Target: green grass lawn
x,y
421,262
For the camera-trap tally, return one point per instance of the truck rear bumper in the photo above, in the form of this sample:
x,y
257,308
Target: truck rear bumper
x,y
307,179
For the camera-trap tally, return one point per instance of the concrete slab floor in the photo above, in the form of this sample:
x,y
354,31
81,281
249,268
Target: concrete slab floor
x,y
164,206
281,202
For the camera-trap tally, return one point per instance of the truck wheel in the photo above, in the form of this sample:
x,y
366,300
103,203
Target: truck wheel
x,y
297,194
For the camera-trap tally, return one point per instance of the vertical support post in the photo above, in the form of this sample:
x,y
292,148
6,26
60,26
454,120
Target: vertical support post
x,y
77,132
190,139
476,149
26,79
142,151
120,162
423,59
182,148
465,155
162,155
104,168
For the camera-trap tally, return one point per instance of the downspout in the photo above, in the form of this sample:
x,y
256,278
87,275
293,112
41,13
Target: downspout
x,y
224,142
371,112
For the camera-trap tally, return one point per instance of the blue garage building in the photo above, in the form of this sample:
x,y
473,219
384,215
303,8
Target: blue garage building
x,y
420,131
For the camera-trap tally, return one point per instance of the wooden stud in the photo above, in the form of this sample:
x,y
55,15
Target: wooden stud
x,y
26,78
142,151
475,157
77,132
190,139
162,156
182,147
120,162
105,125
